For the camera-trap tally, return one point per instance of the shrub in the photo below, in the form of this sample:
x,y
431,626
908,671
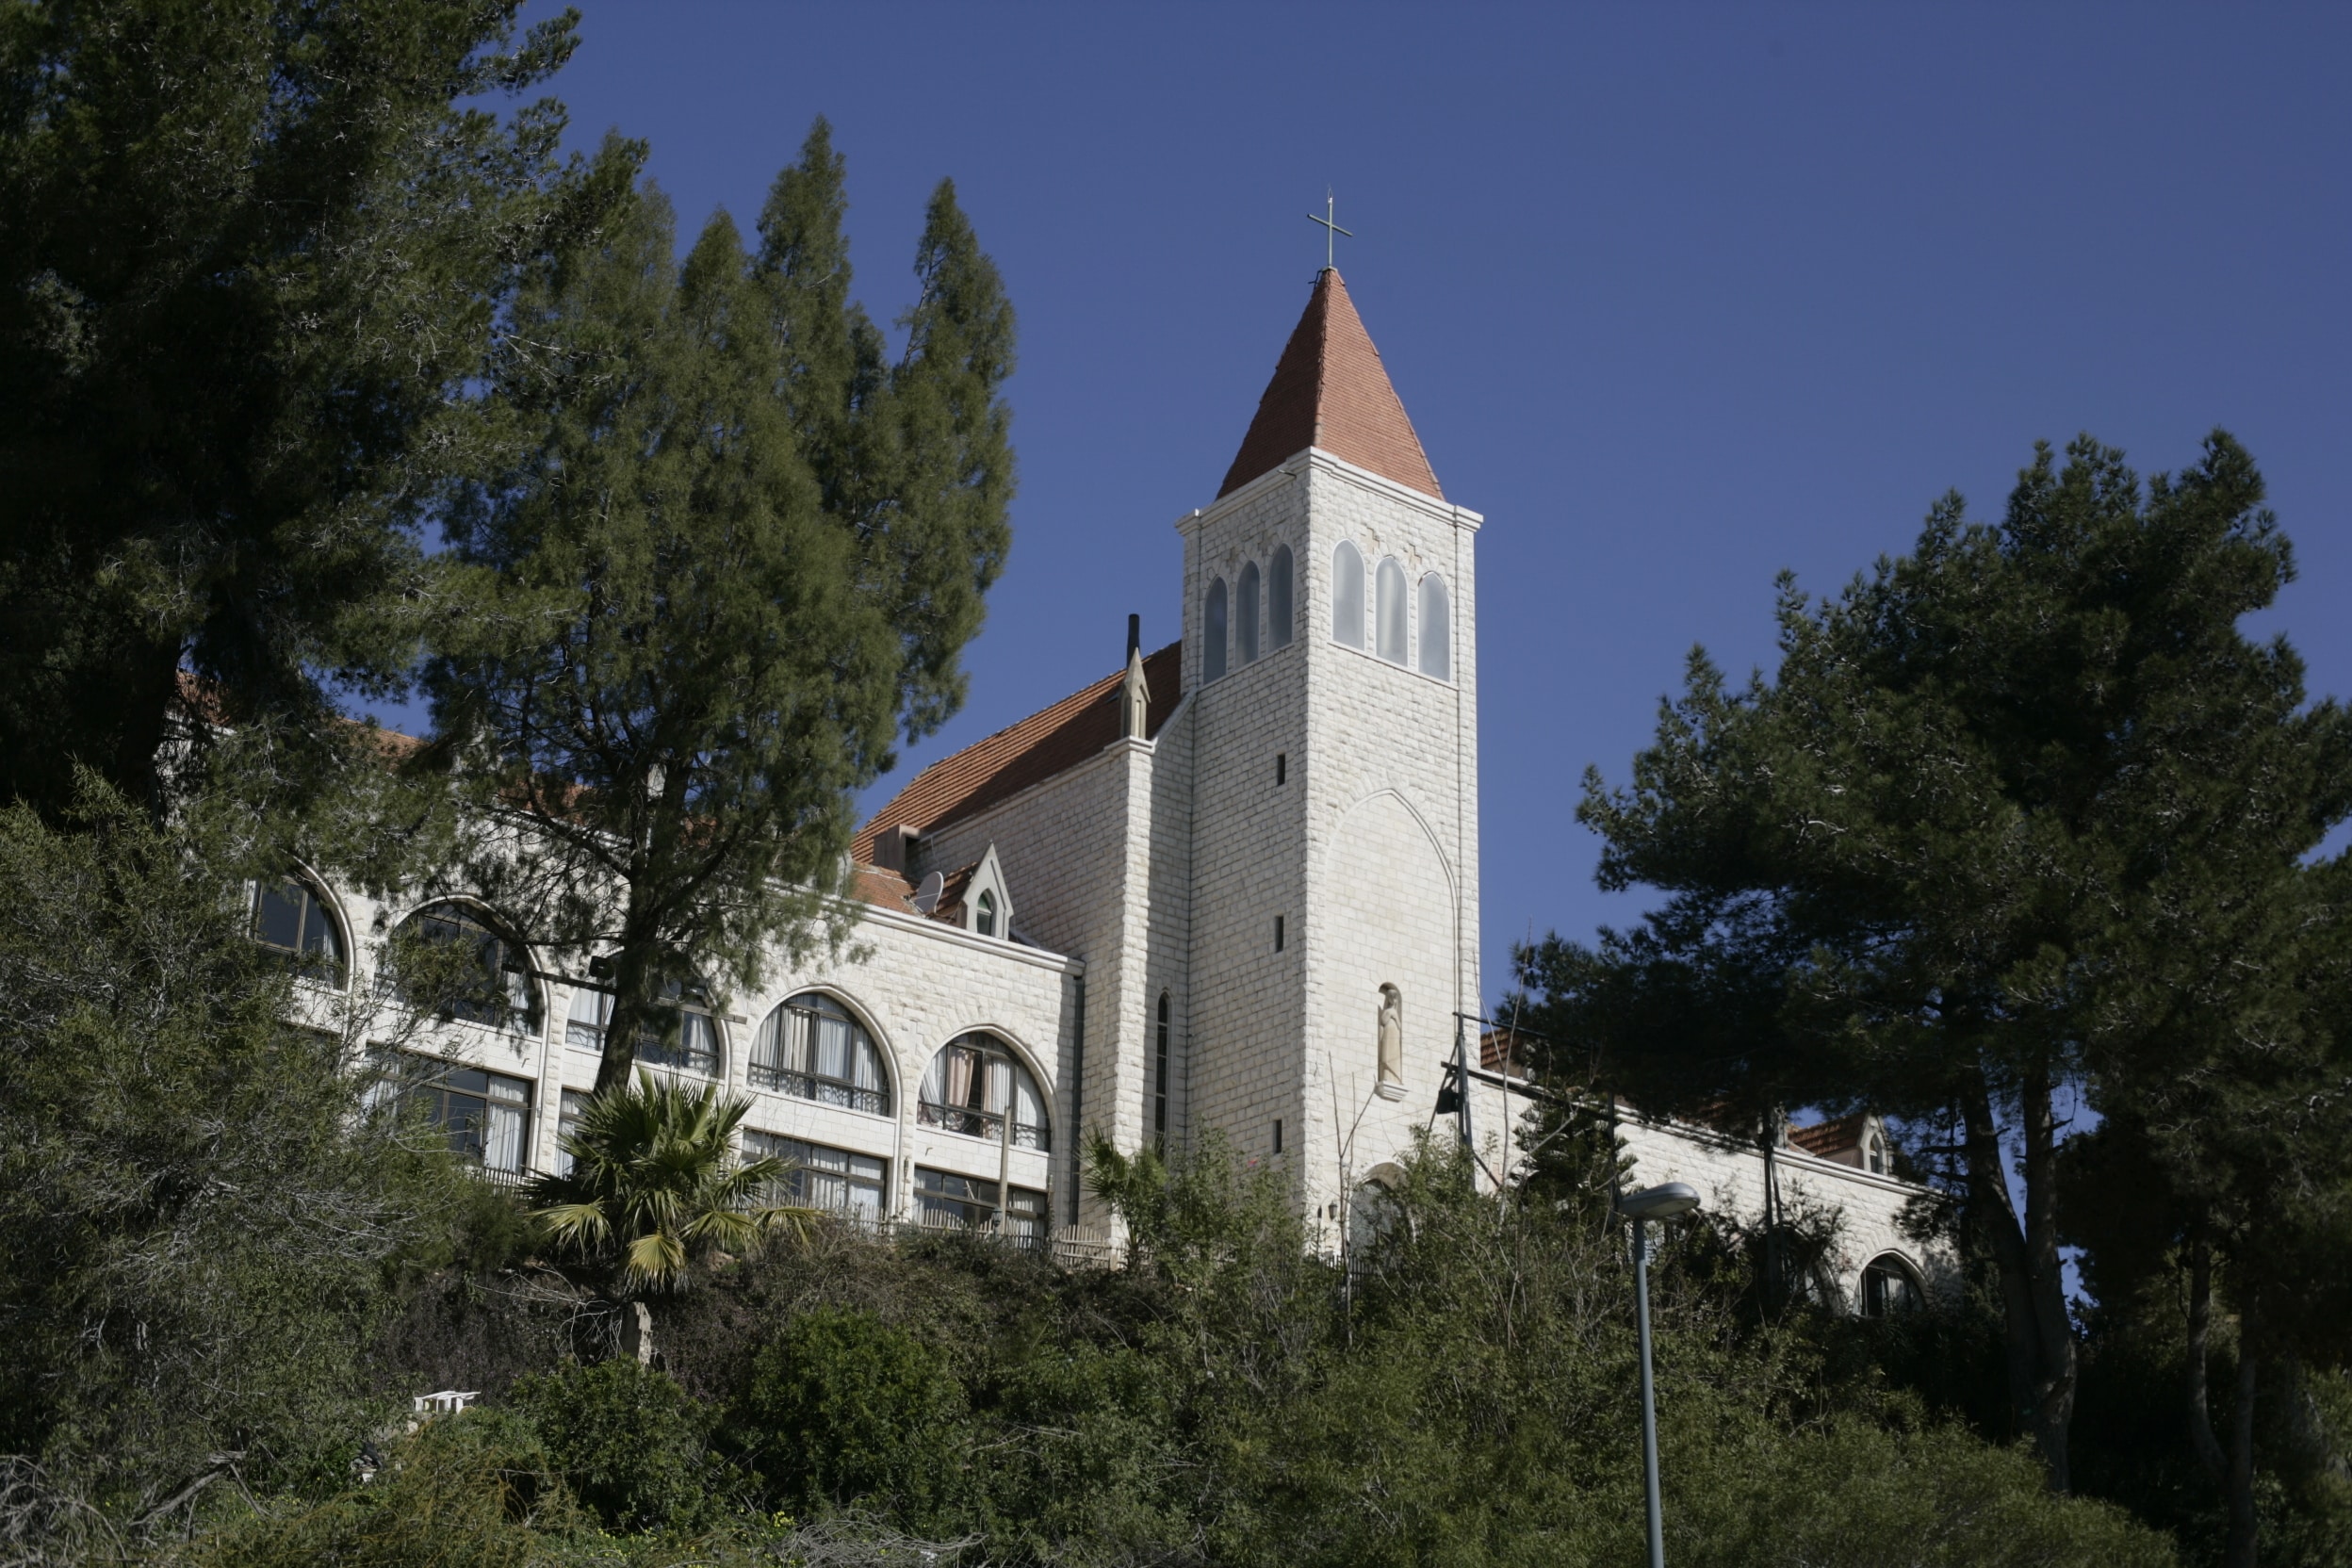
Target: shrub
x,y
628,1439
845,1408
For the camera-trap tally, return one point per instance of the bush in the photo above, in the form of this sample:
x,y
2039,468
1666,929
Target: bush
x,y
847,1409
629,1440
477,1488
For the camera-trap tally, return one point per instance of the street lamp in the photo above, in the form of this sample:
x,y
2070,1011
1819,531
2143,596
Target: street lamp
x,y
1669,1201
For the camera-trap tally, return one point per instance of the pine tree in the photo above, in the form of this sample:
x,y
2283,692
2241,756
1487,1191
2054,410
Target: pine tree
x,y
253,251
2011,800
734,553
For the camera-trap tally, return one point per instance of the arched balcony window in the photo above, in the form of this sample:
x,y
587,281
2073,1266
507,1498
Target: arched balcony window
x,y
975,1082
811,1048
1212,633
1889,1286
1436,629
1246,614
1347,596
1278,599
461,966
292,920
1392,611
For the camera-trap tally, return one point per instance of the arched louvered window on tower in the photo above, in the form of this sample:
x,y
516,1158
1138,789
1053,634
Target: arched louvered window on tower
x,y
1347,596
1246,614
1392,611
1278,599
1212,633
1436,629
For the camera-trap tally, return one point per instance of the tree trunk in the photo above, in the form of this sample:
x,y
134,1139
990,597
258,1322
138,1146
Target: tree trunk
x,y
635,977
2038,1334
2201,1436
2240,1550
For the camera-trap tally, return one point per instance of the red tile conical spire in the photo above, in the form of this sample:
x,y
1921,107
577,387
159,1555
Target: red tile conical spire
x,y
1329,390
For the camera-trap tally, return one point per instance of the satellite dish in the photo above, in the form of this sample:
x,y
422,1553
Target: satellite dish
x,y
927,896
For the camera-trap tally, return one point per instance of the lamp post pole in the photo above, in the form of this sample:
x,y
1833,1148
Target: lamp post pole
x,y
1649,1393
1659,1202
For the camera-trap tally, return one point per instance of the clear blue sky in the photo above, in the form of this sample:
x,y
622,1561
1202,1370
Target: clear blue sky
x,y
1677,296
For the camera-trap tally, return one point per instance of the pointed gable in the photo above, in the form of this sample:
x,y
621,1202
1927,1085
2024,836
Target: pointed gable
x,y
1329,390
1041,746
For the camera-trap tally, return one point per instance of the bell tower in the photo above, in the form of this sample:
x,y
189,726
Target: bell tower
x,y
1330,649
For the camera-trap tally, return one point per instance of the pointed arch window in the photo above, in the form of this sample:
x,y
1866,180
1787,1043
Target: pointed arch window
x,y
976,1084
1436,629
1347,596
1159,1090
984,918
1246,614
1212,633
1392,611
811,1048
1278,616
1889,1286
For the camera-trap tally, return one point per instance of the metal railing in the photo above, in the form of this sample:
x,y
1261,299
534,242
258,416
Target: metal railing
x,y
824,1092
980,1124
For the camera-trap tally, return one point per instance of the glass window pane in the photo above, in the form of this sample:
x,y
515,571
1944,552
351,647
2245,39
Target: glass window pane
x,y
1278,615
278,915
1212,633
1246,614
1347,595
1392,611
1436,635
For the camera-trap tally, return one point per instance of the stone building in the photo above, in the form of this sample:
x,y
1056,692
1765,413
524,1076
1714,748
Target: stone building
x,y
1232,885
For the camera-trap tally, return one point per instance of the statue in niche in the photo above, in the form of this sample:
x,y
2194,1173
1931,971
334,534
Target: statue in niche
x,y
1392,1035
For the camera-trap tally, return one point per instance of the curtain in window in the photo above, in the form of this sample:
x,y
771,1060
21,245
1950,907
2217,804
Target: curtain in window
x,y
507,1105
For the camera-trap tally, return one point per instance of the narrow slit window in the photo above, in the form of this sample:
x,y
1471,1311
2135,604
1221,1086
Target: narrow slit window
x,y
1246,614
1278,612
1277,933
1347,596
1436,629
1212,633
1282,768
1392,611
1159,1090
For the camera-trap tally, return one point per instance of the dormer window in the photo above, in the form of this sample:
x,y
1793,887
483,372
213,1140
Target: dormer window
x,y
983,914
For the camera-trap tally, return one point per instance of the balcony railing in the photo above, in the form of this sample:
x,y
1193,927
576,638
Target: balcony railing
x,y
824,1092
980,1124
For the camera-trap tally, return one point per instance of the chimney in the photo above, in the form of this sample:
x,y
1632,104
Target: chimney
x,y
895,848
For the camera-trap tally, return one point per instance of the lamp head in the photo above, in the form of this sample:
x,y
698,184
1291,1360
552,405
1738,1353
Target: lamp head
x,y
1667,1200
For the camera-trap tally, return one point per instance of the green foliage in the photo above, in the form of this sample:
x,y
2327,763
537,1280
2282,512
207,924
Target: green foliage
x,y
726,552
844,1410
655,1183
196,1220
480,1483
629,1441
2023,812
254,253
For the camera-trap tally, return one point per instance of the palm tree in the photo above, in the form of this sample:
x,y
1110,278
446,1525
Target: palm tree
x,y
654,1185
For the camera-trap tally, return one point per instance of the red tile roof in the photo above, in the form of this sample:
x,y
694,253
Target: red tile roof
x,y
1044,743
1829,1140
1329,390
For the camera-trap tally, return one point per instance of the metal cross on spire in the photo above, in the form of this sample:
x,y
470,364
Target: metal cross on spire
x,y
1332,230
